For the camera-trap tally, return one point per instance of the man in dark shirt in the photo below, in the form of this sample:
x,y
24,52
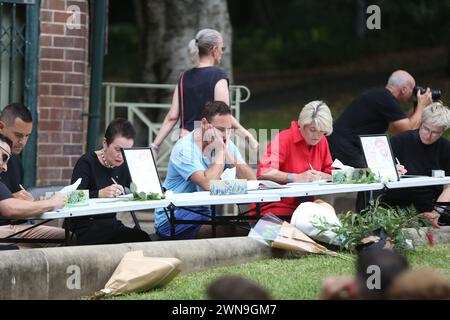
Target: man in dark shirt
x,y
16,124
12,208
420,151
375,112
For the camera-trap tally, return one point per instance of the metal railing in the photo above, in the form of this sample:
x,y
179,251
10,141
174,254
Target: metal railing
x,y
238,94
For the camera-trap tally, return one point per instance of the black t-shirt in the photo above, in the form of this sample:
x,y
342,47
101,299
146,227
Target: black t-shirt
x,y
95,176
370,113
198,89
418,159
14,175
4,194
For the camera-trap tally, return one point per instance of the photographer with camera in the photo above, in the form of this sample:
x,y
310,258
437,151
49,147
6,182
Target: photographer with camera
x,y
374,112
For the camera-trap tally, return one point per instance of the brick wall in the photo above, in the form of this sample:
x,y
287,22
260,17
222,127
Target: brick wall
x,y
63,94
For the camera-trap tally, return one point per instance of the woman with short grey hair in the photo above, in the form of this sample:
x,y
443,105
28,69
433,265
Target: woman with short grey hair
x,y
197,86
317,112
436,114
421,151
299,154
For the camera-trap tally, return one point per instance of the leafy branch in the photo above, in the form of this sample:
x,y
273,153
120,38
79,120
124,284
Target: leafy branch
x,y
142,196
359,175
358,226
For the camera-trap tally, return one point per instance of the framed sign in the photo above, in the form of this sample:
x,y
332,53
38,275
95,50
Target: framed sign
x,y
378,154
142,168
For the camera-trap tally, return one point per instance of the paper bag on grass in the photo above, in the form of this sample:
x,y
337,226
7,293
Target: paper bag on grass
x,y
280,234
136,273
290,238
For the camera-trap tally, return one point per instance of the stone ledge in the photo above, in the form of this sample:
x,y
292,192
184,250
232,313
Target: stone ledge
x,y
43,273
441,235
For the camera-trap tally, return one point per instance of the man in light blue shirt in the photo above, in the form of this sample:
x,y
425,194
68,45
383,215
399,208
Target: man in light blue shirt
x,y
196,159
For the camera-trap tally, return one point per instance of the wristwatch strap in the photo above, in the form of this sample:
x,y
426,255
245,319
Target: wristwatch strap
x,y
290,178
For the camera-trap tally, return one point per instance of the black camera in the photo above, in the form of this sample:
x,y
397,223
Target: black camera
x,y
435,94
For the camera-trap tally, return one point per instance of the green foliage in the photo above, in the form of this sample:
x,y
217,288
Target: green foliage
x,y
307,33
76,197
359,175
142,196
357,226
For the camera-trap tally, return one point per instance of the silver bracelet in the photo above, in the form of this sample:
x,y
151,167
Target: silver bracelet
x,y
290,178
154,146
439,210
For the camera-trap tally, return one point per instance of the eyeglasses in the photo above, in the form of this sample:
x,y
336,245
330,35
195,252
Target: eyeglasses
x,y
5,156
433,133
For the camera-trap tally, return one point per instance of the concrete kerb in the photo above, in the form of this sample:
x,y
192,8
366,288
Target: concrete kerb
x,y
73,272
52,273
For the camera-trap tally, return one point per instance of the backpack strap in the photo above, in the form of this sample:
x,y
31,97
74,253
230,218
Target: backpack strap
x,y
181,99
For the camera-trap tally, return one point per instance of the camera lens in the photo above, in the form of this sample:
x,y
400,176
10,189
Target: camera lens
x,y
435,94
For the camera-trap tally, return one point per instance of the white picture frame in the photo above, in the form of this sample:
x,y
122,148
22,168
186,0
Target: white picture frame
x,y
142,168
379,157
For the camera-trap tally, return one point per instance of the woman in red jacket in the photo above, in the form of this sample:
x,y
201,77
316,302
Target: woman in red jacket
x,y
298,154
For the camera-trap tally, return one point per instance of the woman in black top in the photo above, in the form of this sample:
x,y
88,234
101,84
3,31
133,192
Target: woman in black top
x,y
97,170
199,85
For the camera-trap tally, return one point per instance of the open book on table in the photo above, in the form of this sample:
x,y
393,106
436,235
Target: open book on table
x,y
263,185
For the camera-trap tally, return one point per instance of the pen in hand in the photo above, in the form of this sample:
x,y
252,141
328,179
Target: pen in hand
x,y
115,182
314,171
401,172
26,195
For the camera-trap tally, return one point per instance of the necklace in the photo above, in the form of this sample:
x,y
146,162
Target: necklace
x,y
106,163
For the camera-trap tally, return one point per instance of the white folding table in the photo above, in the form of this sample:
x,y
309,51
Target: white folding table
x,y
97,206
314,189
186,200
417,182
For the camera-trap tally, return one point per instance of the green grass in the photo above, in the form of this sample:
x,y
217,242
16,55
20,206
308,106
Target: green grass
x,y
295,278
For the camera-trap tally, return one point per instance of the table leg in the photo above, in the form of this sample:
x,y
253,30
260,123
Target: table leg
x,y
67,231
172,222
213,219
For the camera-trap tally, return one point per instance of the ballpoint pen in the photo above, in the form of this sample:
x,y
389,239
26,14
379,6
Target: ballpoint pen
x,y
115,182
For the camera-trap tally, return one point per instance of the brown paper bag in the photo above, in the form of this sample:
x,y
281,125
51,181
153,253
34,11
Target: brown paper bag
x,y
136,273
290,238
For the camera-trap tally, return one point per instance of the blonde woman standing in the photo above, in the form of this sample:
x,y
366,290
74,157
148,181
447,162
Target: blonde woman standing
x,y
199,85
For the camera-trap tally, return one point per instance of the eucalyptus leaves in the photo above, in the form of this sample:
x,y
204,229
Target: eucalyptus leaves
x,y
142,196
357,175
361,228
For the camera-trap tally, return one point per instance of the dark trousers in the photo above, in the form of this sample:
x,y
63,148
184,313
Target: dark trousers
x,y
106,231
8,247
